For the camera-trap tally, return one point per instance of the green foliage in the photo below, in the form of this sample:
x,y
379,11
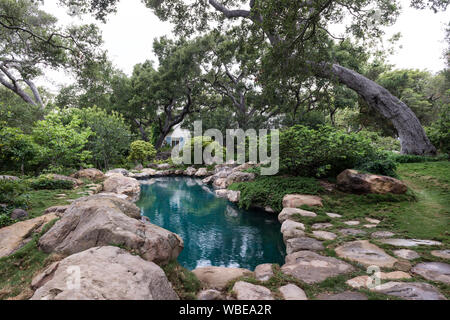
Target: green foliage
x,y
141,151
324,151
382,166
110,138
62,144
17,150
439,131
270,190
47,183
184,282
14,193
201,143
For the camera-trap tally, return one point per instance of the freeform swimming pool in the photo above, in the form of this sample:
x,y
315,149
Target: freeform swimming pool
x,y
215,231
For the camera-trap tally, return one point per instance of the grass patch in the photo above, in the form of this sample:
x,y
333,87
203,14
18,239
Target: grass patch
x,y
184,282
270,190
18,269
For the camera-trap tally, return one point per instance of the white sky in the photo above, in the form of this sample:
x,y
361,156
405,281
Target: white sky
x,y
129,34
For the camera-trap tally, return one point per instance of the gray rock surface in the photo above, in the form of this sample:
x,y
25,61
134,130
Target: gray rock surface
x,y
410,290
434,271
106,273
310,267
365,253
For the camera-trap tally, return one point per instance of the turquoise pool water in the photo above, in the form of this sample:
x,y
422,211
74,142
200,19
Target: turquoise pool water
x,y
215,231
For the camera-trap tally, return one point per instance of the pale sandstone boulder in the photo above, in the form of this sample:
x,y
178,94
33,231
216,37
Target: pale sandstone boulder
x,y
264,272
324,235
248,291
310,267
97,221
220,183
202,172
297,200
366,281
444,254
356,182
218,277
13,237
222,193
410,290
245,166
210,294
92,174
406,254
234,196
239,176
366,253
121,171
289,213
292,229
303,243
292,292
107,273
434,271
191,171
123,185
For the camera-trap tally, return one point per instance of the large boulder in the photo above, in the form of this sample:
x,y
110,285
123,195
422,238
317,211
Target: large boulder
x,y
310,267
290,213
202,172
218,277
366,253
239,176
434,271
356,182
292,229
123,185
92,174
248,291
303,243
191,171
121,171
15,236
106,200
101,221
410,290
297,200
107,273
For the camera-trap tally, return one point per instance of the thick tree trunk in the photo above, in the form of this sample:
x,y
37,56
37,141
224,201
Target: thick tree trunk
x,y
412,135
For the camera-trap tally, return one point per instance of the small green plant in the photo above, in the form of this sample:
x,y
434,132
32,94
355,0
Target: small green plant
x,y
47,183
270,190
184,282
141,151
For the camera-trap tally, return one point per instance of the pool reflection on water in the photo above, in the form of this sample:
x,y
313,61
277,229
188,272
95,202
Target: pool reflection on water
x,y
215,231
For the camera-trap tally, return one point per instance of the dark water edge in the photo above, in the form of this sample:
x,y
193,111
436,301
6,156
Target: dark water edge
x,y
215,231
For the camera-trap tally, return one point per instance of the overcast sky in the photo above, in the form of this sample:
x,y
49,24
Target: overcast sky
x,y
129,34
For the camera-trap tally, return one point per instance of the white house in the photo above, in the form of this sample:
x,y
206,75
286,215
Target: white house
x,y
177,136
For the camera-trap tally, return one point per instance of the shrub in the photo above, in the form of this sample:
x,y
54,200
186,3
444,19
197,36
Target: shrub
x,y
14,193
439,132
384,166
320,152
141,151
17,150
203,142
270,190
47,183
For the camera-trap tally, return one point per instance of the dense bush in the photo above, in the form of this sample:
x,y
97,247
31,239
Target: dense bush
x,y
270,190
17,150
62,142
110,138
202,143
47,183
439,131
320,152
14,193
141,151
380,165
